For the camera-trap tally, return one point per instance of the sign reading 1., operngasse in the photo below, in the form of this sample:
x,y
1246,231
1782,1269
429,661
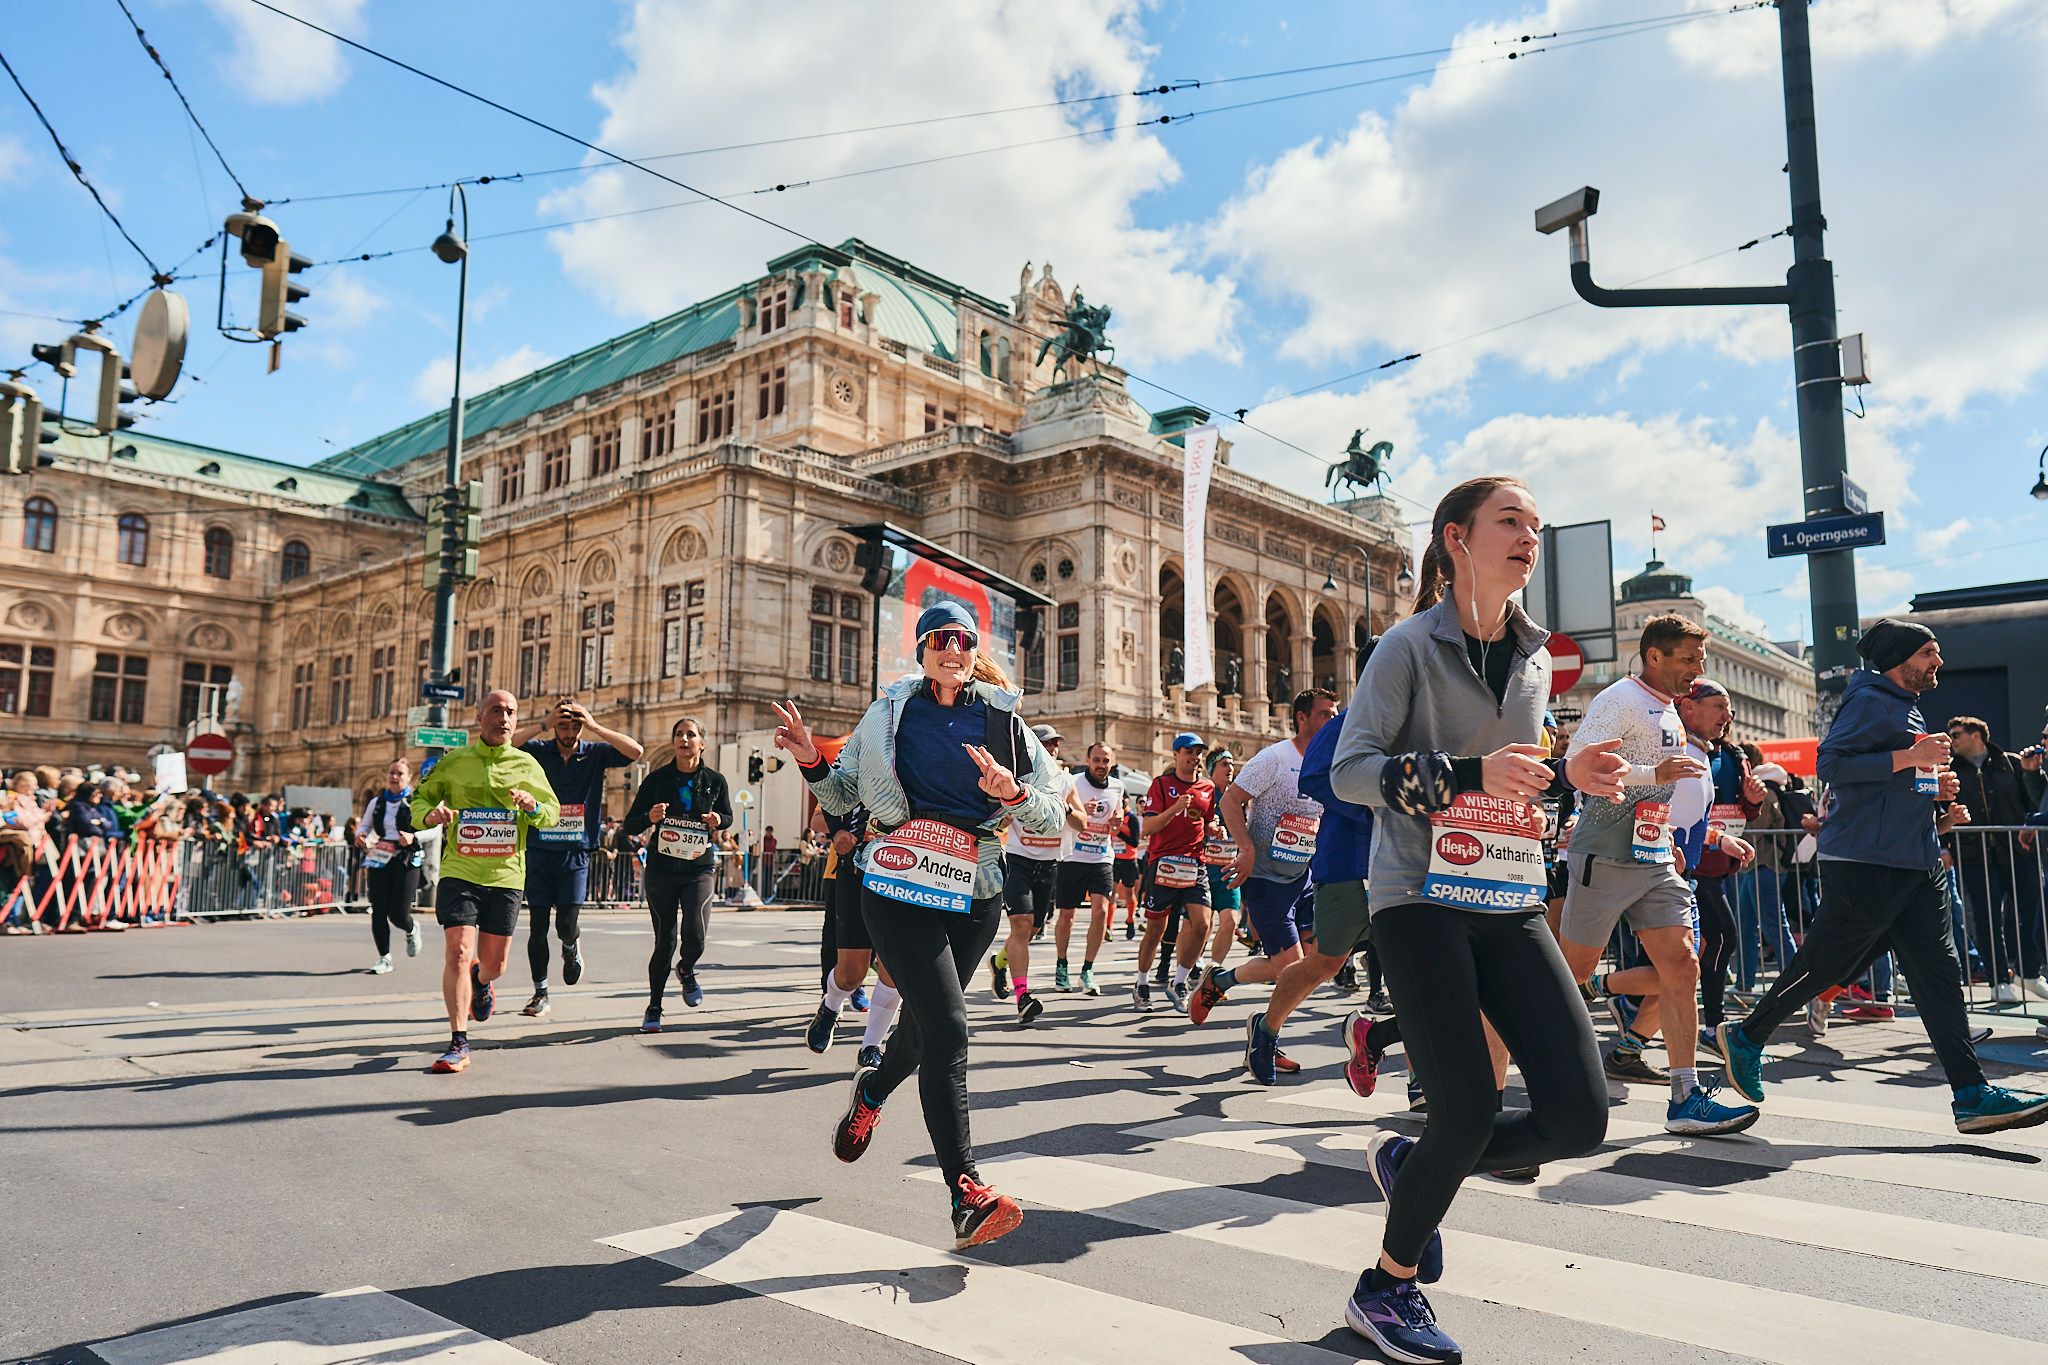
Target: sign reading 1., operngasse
x,y
1817,535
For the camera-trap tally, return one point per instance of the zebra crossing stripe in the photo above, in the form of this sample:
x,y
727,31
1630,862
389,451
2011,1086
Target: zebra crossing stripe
x,y
1752,1322
1889,1236
967,1309
347,1327
1925,1112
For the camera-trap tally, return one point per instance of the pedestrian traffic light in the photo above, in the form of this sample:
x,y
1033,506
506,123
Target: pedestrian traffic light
x,y
754,768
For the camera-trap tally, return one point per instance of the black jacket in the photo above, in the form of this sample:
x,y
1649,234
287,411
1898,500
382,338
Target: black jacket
x,y
2000,792
685,794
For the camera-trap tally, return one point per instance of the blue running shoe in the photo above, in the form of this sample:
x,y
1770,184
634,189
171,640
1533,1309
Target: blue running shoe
x,y
456,1058
869,1056
1261,1051
1745,1061
1990,1109
859,999
1399,1322
693,994
818,1037
483,995
1623,1010
650,1022
1383,1157
1700,1115
1710,1046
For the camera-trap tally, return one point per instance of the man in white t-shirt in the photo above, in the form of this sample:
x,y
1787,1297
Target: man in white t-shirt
x,y
1030,872
1087,858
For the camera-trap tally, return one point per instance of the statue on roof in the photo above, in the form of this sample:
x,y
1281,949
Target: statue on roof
x,y
1360,468
1083,334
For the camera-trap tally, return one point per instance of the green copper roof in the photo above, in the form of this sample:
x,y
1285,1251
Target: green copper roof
x,y
315,488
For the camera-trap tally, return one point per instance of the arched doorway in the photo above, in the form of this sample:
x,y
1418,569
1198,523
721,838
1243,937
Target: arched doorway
x,y
1324,663
1229,642
1280,679
1172,628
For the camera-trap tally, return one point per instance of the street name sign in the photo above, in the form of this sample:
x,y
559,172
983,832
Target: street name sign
x,y
1816,535
442,691
427,737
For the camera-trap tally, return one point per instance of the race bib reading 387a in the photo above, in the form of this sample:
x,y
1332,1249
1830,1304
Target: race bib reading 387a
x,y
1486,853
927,863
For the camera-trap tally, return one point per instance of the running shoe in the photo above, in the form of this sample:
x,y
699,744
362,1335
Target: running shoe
x,y
1259,1047
1141,997
2036,986
980,1214
1283,1063
857,1124
1519,1174
1377,1003
693,994
1699,1114
1745,1062
1871,1014
650,1022
1088,986
1399,1322
538,1007
818,1036
1629,1064
858,1001
1130,930
1709,1045
380,966
1060,980
1418,1103
1992,1109
1860,994
1163,973
1817,1017
2008,993
1029,1007
483,995
412,941
456,1058
998,979
1362,1070
1177,994
869,1056
1982,1034
1384,1156
1248,940
1623,1010
1346,979
1207,996
572,962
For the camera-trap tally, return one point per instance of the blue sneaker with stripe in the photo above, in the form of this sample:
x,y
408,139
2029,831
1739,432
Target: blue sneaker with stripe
x,y
1383,1158
1699,1114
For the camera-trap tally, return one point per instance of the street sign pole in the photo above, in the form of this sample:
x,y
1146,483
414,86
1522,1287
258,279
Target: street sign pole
x,y
452,505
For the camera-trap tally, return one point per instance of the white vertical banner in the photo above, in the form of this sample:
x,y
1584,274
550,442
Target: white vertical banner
x,y
1197,644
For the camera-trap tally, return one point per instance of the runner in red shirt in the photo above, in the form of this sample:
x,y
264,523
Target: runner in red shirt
x,y
1177,813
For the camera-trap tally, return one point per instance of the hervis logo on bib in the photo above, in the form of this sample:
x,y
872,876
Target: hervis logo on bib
x,y
894,858
1460,849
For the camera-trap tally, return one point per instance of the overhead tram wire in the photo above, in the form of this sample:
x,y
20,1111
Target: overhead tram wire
x,y
157,57
77,171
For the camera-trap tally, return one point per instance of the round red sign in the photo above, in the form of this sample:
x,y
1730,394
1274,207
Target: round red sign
x,y
1567,663
894,859
1460,849
209,755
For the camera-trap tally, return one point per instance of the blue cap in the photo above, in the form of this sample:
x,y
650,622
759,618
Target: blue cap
x,y
941,614
1187,739
1549,720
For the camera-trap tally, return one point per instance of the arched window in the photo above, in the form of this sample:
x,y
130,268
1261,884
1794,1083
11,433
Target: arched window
x,y
1003,359
220,552
294,561
134,530
39,525
988,354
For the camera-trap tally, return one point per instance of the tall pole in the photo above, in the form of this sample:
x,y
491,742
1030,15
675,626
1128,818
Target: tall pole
x,y
452,509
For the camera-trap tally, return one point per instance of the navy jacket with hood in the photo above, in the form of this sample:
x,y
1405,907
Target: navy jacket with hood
x,y
1877,817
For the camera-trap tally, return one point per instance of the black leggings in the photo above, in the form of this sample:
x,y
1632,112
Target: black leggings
x,y
1718,932
676,901
393,888
1445,966
565,917
932,954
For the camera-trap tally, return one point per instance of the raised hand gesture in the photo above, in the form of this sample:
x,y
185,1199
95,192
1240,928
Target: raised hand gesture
x,y
996,780
793,736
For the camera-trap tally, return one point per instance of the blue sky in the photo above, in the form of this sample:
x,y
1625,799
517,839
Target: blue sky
x,y
1250,253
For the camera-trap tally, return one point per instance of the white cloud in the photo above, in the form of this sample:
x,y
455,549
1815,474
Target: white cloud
x,y
344,301
438,377
13,158
1938,540
276,61
1730,606
702,73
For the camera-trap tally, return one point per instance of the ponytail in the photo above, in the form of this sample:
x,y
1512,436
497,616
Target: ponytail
x,y
1434,579
987,670
1457,508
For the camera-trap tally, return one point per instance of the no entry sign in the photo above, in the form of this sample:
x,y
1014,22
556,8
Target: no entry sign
x,y
1567,663
209,755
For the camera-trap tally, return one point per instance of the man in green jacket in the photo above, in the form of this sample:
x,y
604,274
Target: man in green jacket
x,y
488,796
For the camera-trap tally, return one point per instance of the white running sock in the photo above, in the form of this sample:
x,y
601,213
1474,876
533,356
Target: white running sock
x,y
1144,975
881,1013
835,997
1684,1080
1180,976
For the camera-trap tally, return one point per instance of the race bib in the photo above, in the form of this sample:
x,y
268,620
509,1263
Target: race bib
x,y
382,853
1294,840
1652,843
1043,843
1486,853
486,833
1176,872
1926,781
1220,851
927,863
567,830
682,837
1093,839
1728,817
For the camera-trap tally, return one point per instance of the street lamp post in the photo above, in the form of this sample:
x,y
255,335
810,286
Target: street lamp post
x,y
2040,489
1403,582
453,249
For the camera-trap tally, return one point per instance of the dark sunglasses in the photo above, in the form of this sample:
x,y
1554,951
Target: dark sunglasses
x,y
951,637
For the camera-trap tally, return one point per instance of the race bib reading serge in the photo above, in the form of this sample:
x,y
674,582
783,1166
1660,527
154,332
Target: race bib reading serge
x,y
1294,840
567,830
927,863
1652,842
379,855
1174,873
1486,853
681,837
1729,818
486,834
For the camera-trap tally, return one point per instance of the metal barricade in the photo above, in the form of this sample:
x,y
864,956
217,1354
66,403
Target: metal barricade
x,y
278,879
1996,874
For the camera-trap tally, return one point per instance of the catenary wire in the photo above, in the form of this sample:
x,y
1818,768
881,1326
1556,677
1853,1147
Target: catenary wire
x,y
157,57
77,171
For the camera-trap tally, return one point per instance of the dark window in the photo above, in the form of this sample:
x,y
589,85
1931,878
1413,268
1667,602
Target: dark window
x,y
850,608
106,686
1034,665
200,688
512,479
383,665
604,451
534,649
693,627
220,552
714,417
481,643
774,392
937,418
774,310
671,632
1070,646
302,695
595,643
821,651
39,525
554,466
821,601
849,655
846,308
341,680
294,560
26,691
658,434
134,528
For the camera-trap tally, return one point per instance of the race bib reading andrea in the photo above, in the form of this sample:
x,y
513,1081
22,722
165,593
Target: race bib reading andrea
x,y
1486,853
486,834
927,863
567,830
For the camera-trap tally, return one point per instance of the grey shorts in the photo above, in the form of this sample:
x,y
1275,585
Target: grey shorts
x,y
1341,917
1651,895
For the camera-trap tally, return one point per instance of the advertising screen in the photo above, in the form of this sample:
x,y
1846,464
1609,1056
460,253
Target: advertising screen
x,y
916,583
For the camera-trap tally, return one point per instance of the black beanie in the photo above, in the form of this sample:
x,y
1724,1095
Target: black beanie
x,y
1889,643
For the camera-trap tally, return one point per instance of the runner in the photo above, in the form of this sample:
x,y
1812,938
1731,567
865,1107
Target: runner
x,y
1622,864
1031,866
1441,741
1715,852
1130,851
1275,829
575,759
852,950
1885,889
681,806
1085,864
1219,856
1177,812
940,761
391,863
489,795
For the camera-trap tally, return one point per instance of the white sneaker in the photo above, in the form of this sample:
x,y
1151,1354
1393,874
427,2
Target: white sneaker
x,y
383,965
1817,1017
2008,993
412,941
2037,986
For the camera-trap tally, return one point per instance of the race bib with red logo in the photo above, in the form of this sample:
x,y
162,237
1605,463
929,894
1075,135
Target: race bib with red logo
x,y
1220,851
1294,840
1176,873
1486,853
486,833
567,830
1044,843
379,854
1093,839
1728,818
1652,841
927,863
682,837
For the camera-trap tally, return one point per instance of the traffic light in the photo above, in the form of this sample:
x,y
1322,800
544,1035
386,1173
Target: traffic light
x,y
21,424
754,767
460,527
107,414
274,317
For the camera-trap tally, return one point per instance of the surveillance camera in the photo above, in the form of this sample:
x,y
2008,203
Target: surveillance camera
x,y
1576,207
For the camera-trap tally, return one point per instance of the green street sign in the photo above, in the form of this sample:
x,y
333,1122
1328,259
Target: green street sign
x,y
427,737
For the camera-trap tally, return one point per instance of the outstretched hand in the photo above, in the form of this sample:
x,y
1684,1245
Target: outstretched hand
x,y
996,780
793,736
1597,769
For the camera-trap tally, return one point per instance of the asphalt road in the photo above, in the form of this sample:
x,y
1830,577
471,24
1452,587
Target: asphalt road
x,y
213,1132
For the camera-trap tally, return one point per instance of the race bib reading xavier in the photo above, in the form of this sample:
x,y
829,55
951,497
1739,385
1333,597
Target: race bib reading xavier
x,y
682,838
567,830
1486,853
1294,840
486,834
924,862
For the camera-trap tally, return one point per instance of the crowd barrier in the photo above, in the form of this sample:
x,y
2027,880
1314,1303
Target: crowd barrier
x,y
788,878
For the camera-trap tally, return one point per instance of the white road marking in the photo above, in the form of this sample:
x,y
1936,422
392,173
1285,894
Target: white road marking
x,y
362,1326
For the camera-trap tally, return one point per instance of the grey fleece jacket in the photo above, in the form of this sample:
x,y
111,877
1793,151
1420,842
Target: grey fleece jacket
x,y
1419,707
